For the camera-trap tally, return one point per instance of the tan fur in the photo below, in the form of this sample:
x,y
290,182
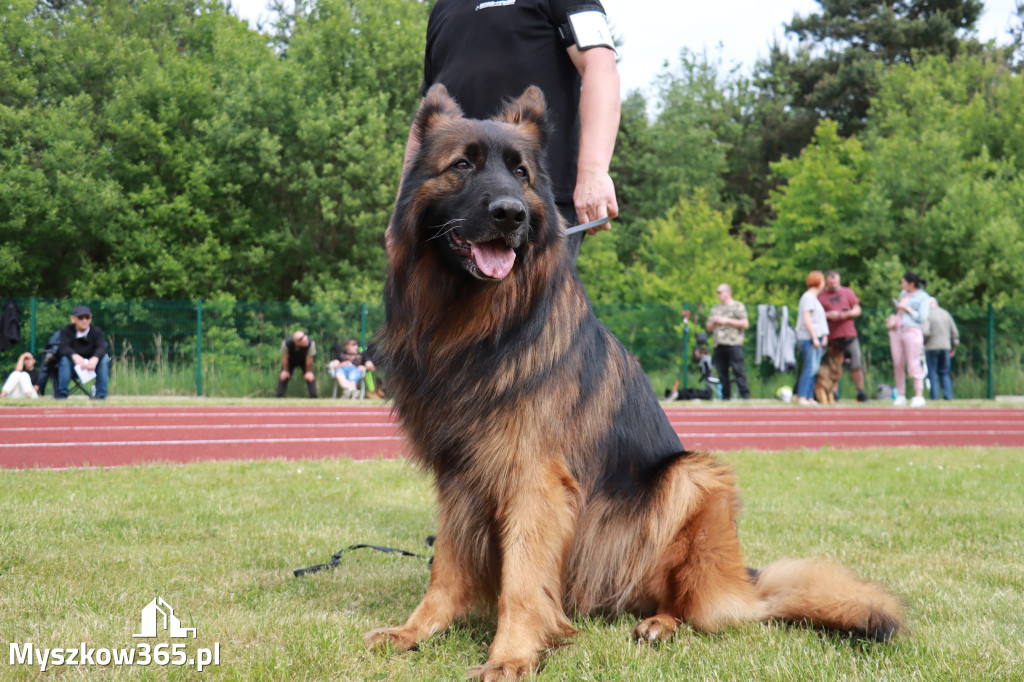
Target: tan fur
x,y
826,595
829,374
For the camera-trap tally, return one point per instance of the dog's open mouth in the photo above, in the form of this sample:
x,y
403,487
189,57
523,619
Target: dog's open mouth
x,y
493,259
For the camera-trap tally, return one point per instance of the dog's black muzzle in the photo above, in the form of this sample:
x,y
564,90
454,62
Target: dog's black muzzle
x,y
507,214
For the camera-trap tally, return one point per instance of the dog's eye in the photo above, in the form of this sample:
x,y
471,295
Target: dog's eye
x,y
521,172
461,164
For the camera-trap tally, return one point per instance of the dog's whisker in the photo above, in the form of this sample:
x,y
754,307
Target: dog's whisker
x,y
445,225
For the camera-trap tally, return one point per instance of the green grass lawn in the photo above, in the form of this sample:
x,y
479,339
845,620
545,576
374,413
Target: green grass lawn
x,y
82,551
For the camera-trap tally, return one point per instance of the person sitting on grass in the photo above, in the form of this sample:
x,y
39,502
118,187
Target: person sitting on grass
x,y
23,382
350,367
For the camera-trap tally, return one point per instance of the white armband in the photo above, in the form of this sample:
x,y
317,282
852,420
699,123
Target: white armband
x,y
590,29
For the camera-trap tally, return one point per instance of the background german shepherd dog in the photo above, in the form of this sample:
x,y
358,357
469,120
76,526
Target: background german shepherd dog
x,y
562,487
829,374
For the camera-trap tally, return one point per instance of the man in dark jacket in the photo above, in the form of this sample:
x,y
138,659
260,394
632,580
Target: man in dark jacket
x,y
83,349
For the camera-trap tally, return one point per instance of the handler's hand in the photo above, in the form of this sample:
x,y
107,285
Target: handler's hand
x,y
285,375
594,197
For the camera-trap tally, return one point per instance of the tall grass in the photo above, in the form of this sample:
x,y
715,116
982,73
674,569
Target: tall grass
x,y
138,377
82,551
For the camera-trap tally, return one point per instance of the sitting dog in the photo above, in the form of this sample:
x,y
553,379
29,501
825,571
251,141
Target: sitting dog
x,y
829,373
562,487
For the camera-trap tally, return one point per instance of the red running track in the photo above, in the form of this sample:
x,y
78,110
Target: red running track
x,y
56,437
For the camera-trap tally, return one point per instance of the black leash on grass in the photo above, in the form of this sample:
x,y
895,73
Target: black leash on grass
x,y
336,558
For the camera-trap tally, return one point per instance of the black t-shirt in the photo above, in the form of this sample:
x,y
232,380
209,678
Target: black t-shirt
x,y
486,52
297,356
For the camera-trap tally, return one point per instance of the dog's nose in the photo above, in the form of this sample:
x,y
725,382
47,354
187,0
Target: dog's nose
x,y
508,214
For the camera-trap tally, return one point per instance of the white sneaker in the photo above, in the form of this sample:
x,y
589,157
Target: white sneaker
x,y
899,401
917,401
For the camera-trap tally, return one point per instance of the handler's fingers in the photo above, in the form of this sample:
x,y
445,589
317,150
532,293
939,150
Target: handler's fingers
x,y
594,198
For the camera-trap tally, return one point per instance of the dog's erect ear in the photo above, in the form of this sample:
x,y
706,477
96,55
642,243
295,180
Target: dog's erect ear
x,y
529,108
437,106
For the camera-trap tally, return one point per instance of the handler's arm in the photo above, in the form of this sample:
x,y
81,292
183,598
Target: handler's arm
x,y
594,195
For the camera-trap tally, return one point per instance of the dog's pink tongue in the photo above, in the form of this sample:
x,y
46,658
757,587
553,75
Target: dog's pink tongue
x,y
494,258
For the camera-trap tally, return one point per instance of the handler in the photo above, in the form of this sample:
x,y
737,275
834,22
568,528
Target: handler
x,y
488,52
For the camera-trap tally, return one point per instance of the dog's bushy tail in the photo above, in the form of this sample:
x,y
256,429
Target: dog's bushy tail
x,y
829,596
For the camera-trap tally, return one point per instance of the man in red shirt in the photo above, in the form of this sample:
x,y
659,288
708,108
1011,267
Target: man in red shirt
x,y
841,307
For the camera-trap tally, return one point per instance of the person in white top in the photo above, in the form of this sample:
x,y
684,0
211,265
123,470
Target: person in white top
x,y
23,382
812,335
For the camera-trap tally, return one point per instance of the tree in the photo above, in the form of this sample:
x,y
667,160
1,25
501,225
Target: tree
x,y
696,128
830,214
935,187
114,181
835,71
680,255
164,149
354,69
948,150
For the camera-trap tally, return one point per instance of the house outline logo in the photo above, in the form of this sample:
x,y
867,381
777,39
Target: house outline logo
x,y
158,611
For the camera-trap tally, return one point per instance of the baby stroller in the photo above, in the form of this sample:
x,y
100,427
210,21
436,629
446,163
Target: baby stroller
x,y
702,356
710,385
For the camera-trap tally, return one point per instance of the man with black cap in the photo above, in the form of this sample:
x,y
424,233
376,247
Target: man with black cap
x,y
83,346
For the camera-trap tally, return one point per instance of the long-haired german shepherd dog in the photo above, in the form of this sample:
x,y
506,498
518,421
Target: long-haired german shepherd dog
x,y
562,487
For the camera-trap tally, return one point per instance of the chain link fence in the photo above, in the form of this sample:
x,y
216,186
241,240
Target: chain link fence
x,y
231,348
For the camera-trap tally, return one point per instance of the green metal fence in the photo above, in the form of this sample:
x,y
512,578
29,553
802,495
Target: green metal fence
x,y
232,348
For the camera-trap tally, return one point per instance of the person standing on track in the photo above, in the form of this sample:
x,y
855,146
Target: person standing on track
x,y
812,334
940,342
726,321
842,307
906,338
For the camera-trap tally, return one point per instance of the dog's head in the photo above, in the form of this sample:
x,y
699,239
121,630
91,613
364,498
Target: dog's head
x,y
479,188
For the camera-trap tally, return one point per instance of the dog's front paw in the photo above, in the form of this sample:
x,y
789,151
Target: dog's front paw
x,y
655,629
402,639
503,671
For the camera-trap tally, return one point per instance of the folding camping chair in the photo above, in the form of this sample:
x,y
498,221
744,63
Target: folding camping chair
x,y
76,385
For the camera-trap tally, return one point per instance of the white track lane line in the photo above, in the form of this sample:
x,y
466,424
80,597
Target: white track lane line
x,y
208,441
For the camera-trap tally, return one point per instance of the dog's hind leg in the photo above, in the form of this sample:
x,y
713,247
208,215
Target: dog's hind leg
x,y
537,527
701,578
